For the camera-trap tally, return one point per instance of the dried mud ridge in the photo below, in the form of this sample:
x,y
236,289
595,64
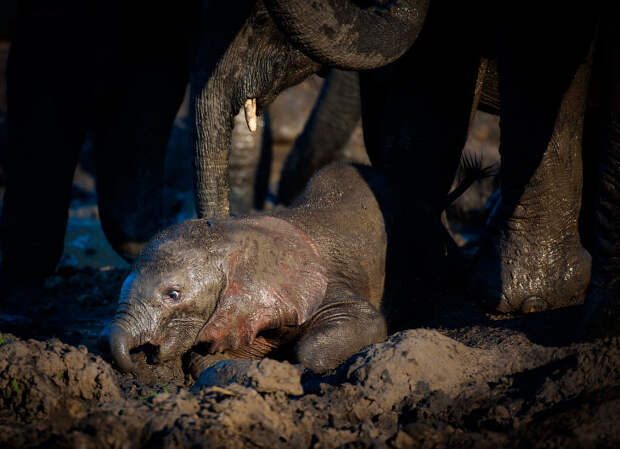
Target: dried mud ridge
x,y
469,381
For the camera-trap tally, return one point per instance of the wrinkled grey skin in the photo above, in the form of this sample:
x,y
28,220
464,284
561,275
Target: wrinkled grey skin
x,y
532,257
312,275
543,261
242,55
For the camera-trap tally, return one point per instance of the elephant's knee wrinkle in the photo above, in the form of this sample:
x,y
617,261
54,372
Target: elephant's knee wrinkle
x,y
369,321
339,335
315,355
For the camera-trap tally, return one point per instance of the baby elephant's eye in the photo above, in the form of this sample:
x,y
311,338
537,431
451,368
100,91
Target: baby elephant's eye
x,y
173,295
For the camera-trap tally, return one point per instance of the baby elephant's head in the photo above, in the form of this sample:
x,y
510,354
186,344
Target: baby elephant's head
x,y
169,294
226,279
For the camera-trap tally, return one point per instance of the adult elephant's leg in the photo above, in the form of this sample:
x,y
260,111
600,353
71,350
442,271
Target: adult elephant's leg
x,y
145,80
49,95
331,123
416,115
532,258
603,299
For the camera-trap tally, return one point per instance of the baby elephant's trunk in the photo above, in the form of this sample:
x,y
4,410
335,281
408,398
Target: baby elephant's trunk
x,y
121,342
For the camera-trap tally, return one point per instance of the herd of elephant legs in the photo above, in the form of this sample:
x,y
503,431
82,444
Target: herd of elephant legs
x,y
75,69
123,83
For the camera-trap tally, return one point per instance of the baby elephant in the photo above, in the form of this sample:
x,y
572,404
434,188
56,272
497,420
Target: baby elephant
x,y
310,276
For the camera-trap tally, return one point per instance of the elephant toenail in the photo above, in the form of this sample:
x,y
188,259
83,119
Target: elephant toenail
x,y
534,304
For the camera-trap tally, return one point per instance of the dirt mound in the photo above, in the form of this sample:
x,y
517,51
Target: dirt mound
x,y
50,381
418,389
39,379
572,401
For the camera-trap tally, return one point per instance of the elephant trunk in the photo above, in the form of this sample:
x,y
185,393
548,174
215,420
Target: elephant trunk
x,y
346,35
121,342
246,74
214,112
133,326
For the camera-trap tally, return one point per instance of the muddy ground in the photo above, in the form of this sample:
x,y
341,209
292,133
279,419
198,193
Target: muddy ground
x,y
465,380
460,378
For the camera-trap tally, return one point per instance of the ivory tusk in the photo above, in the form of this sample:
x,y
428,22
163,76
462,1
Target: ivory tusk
x,y
250,113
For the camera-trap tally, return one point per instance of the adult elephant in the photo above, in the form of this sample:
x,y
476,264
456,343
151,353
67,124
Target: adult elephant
x,y
416,113
244,60
104,68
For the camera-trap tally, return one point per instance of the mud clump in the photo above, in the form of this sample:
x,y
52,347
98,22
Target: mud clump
x,y
50,381
40,379
161,373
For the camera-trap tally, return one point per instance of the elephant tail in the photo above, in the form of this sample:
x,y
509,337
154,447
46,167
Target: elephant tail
x,y
472,170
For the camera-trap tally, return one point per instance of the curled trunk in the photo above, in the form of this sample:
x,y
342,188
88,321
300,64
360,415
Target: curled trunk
x,y
346,35
256,65
121,342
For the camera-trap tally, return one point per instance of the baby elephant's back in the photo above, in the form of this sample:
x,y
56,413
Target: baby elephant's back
x,y
342,209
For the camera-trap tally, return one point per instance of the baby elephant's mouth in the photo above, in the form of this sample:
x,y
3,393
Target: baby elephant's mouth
x,y
151,353
177,340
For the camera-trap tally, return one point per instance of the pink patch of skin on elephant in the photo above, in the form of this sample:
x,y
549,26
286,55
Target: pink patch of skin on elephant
x,y
262,298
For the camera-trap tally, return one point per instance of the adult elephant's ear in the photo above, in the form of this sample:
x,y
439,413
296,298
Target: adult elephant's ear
x,y
275,278
346,35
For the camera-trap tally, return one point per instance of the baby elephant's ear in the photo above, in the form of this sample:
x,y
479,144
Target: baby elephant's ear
x,y
276,278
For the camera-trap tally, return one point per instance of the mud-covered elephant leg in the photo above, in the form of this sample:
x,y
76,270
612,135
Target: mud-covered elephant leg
x,y
136,108
603,298
337,330
332,121
533,258
49,100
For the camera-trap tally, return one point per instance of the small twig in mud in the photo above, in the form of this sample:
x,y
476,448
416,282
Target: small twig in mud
x,y
16,390
151,395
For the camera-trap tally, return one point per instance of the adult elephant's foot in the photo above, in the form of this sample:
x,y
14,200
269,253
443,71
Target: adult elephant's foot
x,y
529,264
532,258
